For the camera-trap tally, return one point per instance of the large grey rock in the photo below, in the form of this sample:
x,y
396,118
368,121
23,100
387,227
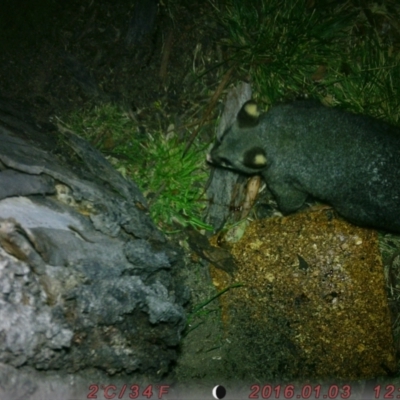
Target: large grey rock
x,y
87,282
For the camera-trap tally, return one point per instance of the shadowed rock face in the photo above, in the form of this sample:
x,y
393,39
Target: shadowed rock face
x,y
87,280
304,149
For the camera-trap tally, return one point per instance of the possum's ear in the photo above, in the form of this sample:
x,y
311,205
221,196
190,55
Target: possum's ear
x,y
248,115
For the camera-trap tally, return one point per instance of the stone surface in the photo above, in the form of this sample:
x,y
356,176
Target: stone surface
x,y
86,279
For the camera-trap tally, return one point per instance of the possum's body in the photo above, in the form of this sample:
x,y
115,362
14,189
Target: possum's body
x,y
350,161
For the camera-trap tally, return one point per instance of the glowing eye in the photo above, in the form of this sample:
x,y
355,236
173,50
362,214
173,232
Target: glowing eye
x,y
255,158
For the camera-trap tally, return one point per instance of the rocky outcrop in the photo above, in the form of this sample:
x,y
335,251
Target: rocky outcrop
x,y
86,279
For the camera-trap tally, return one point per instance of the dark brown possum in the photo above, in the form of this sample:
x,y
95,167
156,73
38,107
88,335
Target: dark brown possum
x,y
302,149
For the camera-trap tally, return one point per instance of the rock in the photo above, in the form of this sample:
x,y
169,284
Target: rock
x,y
87,281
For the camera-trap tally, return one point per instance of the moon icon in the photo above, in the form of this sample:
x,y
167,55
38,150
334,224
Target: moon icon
x,y
219,392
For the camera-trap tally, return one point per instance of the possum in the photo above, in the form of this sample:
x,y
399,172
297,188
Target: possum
x,y
303,149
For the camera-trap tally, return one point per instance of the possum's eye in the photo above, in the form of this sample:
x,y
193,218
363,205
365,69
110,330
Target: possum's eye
x,y
255,158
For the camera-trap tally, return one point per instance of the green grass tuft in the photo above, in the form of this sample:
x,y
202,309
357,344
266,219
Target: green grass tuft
x,y
282,43
174,185
338,52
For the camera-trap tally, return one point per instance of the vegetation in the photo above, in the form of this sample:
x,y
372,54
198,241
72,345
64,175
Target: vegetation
x,y
173,183
340,52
